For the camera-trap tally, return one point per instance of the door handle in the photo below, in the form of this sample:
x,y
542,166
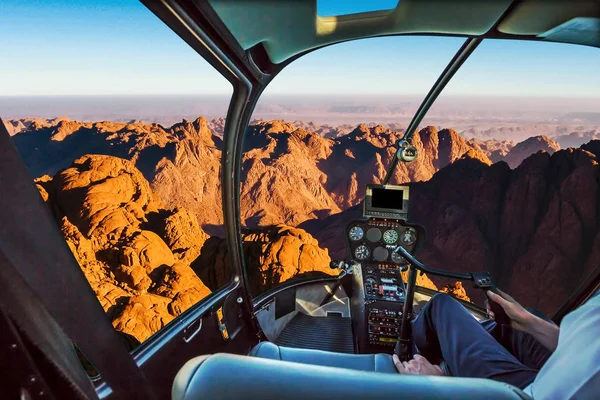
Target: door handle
x,y
192,330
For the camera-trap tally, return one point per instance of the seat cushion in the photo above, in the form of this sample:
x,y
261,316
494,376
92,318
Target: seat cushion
x,y
359,362
233,377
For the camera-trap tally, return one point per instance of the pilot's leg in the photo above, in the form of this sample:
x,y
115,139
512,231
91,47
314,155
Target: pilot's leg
x,y
523,346
446,330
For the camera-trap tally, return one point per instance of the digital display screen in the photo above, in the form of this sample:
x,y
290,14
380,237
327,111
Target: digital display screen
x,y
382,198
388,339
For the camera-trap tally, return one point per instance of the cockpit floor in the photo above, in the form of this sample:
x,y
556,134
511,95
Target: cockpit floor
x,y
331,333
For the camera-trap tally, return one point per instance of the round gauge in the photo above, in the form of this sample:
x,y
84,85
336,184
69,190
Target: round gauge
x,y
390,236
397,258
356,233
362,252
374,235
369,270
380,253
408,237
370,280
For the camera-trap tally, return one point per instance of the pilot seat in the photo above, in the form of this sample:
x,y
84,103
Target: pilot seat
x,y
359,362
274,372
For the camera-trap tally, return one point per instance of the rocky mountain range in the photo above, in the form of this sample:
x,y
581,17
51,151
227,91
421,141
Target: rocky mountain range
x,y
297,181
182,163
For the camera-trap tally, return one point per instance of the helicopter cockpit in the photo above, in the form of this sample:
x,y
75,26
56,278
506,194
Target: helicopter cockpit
x,y
325,336
366,315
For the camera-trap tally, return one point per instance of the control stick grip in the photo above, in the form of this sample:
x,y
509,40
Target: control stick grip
x,y
483,280
500,315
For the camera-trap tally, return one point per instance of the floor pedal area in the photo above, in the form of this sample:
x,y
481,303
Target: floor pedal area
x,y
331,333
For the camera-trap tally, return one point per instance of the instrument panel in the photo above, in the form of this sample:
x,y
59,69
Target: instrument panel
x,y
373,241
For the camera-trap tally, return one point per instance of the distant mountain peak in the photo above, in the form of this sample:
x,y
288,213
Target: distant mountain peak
x,y
529,146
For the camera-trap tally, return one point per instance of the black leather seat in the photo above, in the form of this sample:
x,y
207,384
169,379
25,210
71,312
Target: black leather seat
x,y
359,362
229,377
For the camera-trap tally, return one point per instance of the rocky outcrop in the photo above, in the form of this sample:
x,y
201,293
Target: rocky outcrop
x,y
14,126
514,154
148,264
496,150
369,151
281,159
181,163
273,255
532,145
457,290
135,254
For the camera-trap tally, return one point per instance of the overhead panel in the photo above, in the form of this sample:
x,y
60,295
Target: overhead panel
x,y
534,17
582,30
287,28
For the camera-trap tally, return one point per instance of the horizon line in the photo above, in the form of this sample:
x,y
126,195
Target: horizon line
x,y
265,95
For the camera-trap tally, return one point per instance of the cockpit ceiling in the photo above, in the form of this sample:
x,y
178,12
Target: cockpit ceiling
x,y
289,27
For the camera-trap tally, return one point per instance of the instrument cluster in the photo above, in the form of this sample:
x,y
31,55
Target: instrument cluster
x,y
378,281
375,240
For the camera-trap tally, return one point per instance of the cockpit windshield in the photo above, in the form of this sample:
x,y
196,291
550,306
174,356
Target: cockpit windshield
x,y
322,131
327,125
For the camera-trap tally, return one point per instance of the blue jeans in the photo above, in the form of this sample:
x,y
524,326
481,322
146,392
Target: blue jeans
x,y
445,330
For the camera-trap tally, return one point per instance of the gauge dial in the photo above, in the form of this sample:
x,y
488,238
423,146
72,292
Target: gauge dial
x,y
408,237
362,252
356,233
373,235
390,236
397,258
380,253
370,280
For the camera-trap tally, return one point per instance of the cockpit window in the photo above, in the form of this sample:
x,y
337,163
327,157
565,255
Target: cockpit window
x,y
320,133
123,139
506,162
523,202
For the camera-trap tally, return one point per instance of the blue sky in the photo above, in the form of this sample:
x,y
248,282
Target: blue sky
x,y
58,47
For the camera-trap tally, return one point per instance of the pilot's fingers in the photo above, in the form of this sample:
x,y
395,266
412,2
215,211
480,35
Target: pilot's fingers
x,y
409,367
399,365
505,295
498,299
419,357
491,314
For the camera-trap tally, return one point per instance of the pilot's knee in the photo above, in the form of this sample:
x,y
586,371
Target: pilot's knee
x,y
443,300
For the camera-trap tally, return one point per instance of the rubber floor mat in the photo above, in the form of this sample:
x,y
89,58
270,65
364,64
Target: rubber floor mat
x,y
332,333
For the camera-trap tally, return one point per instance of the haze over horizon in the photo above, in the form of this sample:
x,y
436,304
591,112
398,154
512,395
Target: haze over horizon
x,y
169,109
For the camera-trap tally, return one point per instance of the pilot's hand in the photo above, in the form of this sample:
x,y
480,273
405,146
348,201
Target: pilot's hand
x,y
518,315
419,365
